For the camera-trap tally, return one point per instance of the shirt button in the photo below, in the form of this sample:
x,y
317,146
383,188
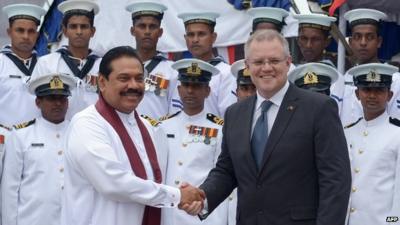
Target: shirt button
x,y
357,170
61,169
184,144
57,135
360,151
177,182
180,163
60,152
365,133
62,187
352,210
354,189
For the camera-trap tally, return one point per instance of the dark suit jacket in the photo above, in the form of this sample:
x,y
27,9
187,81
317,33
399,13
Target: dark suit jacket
x,y
305,175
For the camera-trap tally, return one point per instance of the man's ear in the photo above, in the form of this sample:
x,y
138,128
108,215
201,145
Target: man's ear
x,y
133,31
101,82
357,94
214,34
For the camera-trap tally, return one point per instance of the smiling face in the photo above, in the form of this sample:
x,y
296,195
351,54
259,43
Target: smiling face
x,y
373,100
268,65
124,87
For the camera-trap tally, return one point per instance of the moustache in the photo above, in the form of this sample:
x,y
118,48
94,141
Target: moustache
x,y
132,91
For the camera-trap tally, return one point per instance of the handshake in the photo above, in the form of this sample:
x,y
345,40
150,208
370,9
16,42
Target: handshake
x,y
192,199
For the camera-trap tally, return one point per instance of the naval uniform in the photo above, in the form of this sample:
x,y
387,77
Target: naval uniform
x,y
100,186
221,86
4,133
194,146
16,104
84,71
374,148
394,104
160,85
33,174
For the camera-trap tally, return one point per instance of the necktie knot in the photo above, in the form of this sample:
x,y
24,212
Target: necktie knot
x,y
265,105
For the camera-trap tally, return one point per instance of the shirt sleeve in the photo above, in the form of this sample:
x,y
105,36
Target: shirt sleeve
x,y
89,147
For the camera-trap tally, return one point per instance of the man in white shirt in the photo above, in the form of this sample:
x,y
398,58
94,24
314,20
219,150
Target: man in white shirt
x,y
17,62
200,37
76,59
374,148
115,161
160,83
194,139
32,181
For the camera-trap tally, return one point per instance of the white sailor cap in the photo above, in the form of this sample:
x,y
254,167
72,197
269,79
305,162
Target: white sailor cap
x,y
70,6
314,76
268,14
373,75
52,84
204,17
194,70
240,72
364,16
146,8
319,21
24,11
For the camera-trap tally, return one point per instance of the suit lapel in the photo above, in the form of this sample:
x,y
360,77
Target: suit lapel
x,y
247,112
285,113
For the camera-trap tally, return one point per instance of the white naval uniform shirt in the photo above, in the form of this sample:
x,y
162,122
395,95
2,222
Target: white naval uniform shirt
x,y
374,148
33,174
4,132
156,106
220,97
394,104
100,186
190,160
81,97
16,103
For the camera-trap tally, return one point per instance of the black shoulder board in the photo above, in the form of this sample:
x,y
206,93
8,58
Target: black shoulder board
x,y
352,124
215,119
7,128
152,121
23,125
394,121
168,116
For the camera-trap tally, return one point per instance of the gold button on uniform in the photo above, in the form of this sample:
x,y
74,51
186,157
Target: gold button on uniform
x,y
360,151
184,144
357,170
365,133
352,210
354,189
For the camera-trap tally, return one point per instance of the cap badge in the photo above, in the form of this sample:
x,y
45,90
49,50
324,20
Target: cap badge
x,y
56,83
310,78
246,72
373,76
194,69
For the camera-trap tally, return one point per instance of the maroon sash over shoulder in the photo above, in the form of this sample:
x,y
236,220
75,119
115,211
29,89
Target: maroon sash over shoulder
x,y
152,215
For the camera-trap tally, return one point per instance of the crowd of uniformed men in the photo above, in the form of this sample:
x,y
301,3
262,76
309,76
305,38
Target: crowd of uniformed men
x,y
182,106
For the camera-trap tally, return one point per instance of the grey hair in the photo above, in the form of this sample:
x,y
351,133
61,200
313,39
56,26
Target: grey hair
x,y
266,35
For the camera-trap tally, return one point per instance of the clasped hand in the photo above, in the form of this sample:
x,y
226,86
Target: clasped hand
x,y
192,199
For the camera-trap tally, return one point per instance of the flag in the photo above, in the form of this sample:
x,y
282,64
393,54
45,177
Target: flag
x,y
50,29
335,5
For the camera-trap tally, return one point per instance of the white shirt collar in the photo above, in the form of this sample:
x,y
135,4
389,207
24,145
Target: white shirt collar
x,y
377,121
276,99
127,117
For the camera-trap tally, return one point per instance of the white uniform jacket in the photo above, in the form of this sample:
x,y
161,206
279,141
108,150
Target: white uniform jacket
x,y
374,148
86,92
160,87
33,174
100,186
221,95
194,146
16,103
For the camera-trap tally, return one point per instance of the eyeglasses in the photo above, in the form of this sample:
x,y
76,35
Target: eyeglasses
x,y
270,62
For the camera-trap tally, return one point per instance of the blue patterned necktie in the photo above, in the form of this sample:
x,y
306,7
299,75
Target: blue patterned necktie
x,y
260,134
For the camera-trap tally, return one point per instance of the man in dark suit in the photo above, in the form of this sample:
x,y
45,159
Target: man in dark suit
x,y
299,172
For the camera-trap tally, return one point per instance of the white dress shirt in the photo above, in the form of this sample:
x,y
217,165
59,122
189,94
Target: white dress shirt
x,y
276,99
100,186
33,177
374,148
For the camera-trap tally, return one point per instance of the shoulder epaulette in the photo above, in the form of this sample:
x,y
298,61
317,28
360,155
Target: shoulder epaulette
x,y
352,124
7,128
23,125
168,116
152,121
394,121
215,119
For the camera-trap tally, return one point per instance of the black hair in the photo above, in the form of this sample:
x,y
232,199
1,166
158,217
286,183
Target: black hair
x,y
116,53
78,12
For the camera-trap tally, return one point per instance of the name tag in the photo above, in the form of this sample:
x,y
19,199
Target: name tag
x,y
170,135
15,76
37,145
